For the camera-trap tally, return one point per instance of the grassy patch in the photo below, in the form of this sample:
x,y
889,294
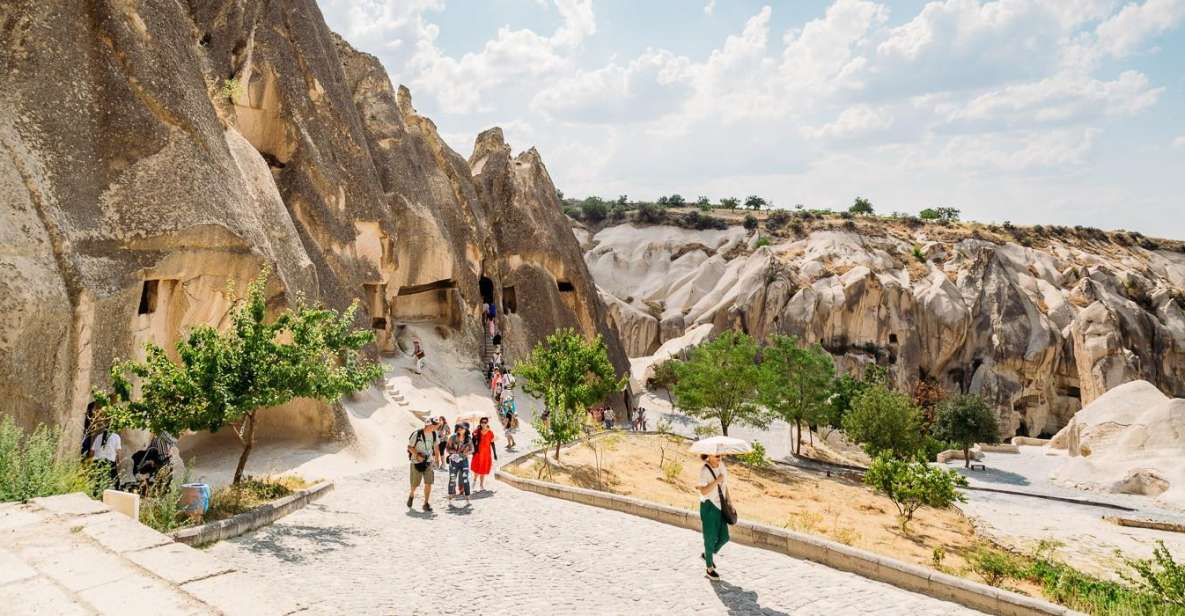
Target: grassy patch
x,y
30,465
250,493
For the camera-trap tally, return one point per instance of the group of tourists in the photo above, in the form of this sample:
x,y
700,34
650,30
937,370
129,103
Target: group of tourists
x,y
104,448
460,449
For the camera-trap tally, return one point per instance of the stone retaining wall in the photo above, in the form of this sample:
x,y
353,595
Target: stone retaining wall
x,y
250,520
835,555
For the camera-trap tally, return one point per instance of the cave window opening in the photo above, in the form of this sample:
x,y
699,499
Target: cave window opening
x,y
565,286
892,338
205,40
378,323
148,296
1022,429
509,302
486,287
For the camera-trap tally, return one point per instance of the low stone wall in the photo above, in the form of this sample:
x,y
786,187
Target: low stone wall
x,y
1029,440
250,520
999,448
809,547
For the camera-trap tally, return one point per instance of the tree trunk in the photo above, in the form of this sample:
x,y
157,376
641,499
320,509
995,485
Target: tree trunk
x,y
966,457
723,428
797,436
557,452
248,443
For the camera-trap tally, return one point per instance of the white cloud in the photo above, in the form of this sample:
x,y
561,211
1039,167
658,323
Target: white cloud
x,y
643,89
855,121
1021,152
1179,142
1127,30
710,7
1062,98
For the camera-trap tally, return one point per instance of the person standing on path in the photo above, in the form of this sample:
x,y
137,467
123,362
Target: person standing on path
x,y
418,353
713,490
107,450
608,415
486,452
442,437
420,448
459,448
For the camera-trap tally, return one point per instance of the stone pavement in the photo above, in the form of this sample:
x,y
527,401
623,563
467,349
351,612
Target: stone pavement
x,y
360,551
71,555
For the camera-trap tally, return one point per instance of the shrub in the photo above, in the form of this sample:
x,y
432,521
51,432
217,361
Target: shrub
x,y
912,484
250,493
617,212
804,521
651,213
754,202
750,222
161,508
230,88
994,566
761,241
917,253
706,430
676,200
703,203
777,219
696,220
755,458
594,209
730,203
31,467
884,421
1160,577
937,555
671,470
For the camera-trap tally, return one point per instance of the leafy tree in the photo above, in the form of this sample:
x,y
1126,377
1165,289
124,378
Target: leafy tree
x,y
719,381
569,374
912,484
664,201
846,388
703,203
730,203
884,421
651,213
966,420
665,376
754,202
861,206
594,209
623,199
225,378
676,200
941,213
795,382
750,222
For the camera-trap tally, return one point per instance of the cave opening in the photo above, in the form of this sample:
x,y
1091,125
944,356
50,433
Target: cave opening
x,y
148,296
433,302
1022,429
378,323
509,301
565,286
486,287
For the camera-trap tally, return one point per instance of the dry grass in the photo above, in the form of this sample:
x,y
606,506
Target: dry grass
x,y
840,509
250,493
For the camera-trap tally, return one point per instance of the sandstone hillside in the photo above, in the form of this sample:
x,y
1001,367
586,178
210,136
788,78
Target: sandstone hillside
x,y
1038,320
153,153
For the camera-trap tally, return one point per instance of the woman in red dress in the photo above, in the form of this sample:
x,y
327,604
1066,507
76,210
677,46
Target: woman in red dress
x,y
485,454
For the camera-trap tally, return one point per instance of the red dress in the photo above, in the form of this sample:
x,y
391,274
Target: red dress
x,y
483,459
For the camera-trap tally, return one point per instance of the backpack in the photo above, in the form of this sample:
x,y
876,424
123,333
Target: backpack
x,y
419,434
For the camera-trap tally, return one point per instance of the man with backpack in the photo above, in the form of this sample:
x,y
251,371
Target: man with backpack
x,y
420,447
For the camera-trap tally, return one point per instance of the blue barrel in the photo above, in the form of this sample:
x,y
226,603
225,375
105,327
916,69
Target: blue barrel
x,y
195,498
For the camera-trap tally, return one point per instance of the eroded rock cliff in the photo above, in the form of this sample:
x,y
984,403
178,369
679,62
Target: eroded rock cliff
x,y
1038,330
155,154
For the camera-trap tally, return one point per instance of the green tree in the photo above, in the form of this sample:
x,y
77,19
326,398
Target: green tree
x,y
884,421
703,203
623,199
966,420
665,376
594,209
912,484
795,383
225,378
676,200
730,203
929,214
569,374
846,388
750,222
861,206
754,202
719,381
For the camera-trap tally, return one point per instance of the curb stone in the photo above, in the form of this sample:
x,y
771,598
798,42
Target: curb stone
x,y
250,520
808,547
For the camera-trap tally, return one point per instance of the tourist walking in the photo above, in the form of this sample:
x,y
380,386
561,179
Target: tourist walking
x,y
485,452
509,418
418,353
420,448
459,449
107,451
608,415
713,497
442,437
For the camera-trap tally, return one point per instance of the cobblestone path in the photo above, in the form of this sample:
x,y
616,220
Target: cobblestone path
x,y
360,551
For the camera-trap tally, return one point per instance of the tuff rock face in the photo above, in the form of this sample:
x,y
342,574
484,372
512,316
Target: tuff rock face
x,y
154,153
1038,331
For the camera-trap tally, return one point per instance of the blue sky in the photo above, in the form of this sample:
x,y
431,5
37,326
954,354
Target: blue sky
x,y
1034,111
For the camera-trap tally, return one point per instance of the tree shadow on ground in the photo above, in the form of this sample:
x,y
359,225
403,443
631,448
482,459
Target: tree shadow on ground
x,y
278,541
741,602
994,475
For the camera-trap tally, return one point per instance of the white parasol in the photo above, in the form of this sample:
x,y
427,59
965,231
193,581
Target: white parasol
x,y
721,446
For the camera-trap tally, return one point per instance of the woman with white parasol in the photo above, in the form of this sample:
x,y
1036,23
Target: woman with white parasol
x,y
715,509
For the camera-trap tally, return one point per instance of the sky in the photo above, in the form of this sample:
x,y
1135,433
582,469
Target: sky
x,y
1066,112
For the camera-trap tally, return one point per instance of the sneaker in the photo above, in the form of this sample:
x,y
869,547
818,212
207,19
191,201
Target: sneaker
x,y
409,500
712,575
427,508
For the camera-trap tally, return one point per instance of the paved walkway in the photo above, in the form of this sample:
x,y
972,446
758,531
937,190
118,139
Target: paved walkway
x,y
360,551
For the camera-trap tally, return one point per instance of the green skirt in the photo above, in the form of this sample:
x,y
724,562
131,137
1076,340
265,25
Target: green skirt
x,y
714,528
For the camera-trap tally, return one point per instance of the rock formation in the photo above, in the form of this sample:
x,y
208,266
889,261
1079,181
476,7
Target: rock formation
x,y
1038,331
1130,440
153,153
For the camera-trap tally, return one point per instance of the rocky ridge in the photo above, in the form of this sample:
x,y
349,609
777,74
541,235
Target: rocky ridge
x,y
1038,330
156,154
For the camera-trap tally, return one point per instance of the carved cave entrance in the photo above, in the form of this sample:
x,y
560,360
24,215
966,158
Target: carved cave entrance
x,y
486,287
432,302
